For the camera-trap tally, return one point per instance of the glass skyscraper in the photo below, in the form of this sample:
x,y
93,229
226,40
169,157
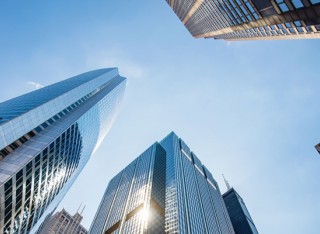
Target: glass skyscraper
x,y
239,214
165,190
46,138
249,19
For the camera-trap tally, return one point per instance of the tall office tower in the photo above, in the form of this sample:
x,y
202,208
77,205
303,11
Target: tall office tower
x,y
165,190
193,200
63,223
249,19
239,214
46,138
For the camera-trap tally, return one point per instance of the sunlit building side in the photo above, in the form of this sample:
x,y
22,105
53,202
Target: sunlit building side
x,y
46,138
165,190
134,200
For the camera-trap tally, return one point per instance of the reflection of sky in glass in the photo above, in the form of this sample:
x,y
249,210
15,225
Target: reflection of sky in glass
x,y
93,129
63,146
220,96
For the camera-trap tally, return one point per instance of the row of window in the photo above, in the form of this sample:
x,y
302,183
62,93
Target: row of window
x,y
290,5
244,11
47,173
24,103
204,211
10,148
288,28
217,14
183,7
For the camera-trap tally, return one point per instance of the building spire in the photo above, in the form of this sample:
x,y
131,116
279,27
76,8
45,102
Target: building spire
x,y
226,182
84,206
79,211
79,207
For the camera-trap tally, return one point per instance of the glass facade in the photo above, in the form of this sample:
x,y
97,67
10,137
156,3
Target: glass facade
x,y
46,138
193,199
167,193
239,214
249,19
134,199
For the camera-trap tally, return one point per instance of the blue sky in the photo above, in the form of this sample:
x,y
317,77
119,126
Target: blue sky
x,y
249,110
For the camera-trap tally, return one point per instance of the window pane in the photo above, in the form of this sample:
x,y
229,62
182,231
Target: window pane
x,y
283,7
297,3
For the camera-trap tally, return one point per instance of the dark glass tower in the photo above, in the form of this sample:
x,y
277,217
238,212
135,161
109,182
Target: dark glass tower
x,y
165,190
249,19
46,138
239,214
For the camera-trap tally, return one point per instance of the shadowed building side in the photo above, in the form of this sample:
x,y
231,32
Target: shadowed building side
x,y
318,148
239,214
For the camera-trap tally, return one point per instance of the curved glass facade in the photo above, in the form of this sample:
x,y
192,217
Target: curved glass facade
x,y
49,148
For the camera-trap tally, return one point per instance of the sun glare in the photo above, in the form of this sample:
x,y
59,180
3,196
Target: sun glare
x,y
144,214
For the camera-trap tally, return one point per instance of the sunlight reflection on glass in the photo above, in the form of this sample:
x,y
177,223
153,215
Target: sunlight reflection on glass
x,y
144,214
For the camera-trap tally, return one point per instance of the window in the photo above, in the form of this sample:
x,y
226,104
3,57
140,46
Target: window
x,y
282,5
280,26
309,29
292,31
297,3
299,29
288,25
297,23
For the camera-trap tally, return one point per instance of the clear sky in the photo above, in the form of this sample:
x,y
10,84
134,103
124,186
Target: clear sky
x,y
249,110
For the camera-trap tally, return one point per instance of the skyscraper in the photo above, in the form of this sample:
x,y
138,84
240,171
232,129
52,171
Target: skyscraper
x,y
46,138
165,190
193,200
63,223
249,19
239,214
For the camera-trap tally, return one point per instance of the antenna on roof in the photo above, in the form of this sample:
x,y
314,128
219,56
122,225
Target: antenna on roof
x,y
79,207
83,209
227,183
